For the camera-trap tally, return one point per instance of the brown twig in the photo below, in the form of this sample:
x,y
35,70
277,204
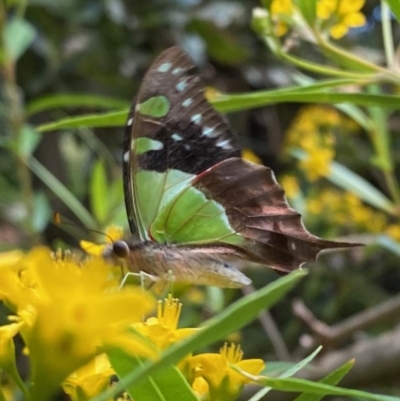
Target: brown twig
x,y
271,329
375,359
332,335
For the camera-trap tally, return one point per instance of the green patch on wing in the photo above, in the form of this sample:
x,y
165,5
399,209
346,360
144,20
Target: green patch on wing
x,y
143,145
157,106
173,211
154,191
192,218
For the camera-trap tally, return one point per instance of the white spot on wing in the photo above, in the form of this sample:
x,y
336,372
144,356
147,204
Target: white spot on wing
x,y
187,147
164,67
181,86
129,123
224,144
207,131
196,118
126,157
187,102
176,137
177,70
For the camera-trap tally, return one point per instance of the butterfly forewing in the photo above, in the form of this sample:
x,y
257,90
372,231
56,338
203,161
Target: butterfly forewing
x,y
173,134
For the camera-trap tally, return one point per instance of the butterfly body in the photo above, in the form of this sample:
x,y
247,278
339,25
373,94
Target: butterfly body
x,y
199,210
202,265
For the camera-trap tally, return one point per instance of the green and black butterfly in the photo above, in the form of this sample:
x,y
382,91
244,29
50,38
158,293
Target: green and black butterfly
x,y
200,211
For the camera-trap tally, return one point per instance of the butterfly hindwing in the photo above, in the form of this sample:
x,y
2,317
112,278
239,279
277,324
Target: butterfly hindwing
x,y
266,228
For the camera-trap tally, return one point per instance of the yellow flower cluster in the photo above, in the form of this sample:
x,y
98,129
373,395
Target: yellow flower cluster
x,y
337,16
341,15
112,233
281,10
67,312
347,210
313,131
70,312
211,376
291,186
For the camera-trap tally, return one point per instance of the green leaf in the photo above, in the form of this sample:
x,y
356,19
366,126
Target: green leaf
x,y
388,243
231,103
305,386
358,115
380,135
314,93
300,365
231,319
352,182
27,141
292,370
18,36
112,119
62,192
99,192
167,384
332,378
50,102
308,9
395,8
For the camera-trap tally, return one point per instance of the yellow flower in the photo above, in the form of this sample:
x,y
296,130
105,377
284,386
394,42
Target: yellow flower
x,y
211,93
10,257
250,156
314,130
317,163
89,380
335,207
222,372
281,10
113,233
7,350
163,329
341,15
291,185
70,311
16,288
394,231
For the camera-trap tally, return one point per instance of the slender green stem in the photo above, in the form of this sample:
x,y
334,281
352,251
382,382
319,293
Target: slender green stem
x,y
322,69
392,186
362,63
387,34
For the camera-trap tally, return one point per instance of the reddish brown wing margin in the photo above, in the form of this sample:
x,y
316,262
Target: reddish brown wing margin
x,y
273,232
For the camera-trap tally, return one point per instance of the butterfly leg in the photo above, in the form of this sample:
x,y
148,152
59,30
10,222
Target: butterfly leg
x,y
145,280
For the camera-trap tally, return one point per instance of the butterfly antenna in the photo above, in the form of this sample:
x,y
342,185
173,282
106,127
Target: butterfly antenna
x,y
62,221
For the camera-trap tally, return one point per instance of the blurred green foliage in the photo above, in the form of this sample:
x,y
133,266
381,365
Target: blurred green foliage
x,y
69,69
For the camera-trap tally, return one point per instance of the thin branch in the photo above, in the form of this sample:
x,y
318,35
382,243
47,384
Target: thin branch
x,y
271,329
375,359
331,335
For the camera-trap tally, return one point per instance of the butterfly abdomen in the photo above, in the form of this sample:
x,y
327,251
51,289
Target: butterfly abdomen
x,y
202,265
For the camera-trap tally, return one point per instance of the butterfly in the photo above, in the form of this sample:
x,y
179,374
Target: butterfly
x,y
199,210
